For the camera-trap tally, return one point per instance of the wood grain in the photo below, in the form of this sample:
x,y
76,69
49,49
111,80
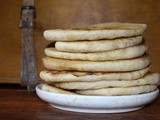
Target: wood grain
x,y
10,43
73,13
29,65
14,106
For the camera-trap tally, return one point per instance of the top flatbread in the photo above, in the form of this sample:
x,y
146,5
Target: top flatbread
x,y
96,32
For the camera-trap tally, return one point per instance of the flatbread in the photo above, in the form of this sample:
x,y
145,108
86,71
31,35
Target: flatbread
x,y
125,53
54,89
91,66
96,32
120,91
98,45
152,78
69,76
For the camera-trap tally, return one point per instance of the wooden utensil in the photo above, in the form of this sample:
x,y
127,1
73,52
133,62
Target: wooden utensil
x,y
29,67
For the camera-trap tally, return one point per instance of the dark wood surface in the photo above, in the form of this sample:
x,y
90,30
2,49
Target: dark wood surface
x,y
18,104
71,13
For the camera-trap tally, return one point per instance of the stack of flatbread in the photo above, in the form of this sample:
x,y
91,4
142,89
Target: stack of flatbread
x,y
107,59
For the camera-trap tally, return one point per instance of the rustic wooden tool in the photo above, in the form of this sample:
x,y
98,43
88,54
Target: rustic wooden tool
x,y
29,67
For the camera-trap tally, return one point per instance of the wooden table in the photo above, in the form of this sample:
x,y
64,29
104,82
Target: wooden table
x,y
18,104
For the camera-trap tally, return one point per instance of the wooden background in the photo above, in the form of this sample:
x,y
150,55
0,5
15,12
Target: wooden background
x,y
72,13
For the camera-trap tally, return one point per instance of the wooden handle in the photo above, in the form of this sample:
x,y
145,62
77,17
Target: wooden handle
x,y
29,67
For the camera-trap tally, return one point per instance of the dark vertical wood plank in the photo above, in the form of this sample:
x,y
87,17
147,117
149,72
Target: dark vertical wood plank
x,y
24,75
29,67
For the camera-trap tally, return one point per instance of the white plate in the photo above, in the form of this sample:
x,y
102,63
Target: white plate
x,y
96,104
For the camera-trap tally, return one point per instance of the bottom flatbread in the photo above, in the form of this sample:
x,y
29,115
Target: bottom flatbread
x,y
151,78
50,88
119,91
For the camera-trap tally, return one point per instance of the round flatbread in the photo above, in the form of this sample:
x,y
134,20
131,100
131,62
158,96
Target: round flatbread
x,y
98,45
120,91
96,32
91,66
54,89
68,76
125,53
152,78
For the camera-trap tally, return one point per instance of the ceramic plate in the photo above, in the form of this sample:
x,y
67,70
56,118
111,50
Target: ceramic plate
x,y
96,104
